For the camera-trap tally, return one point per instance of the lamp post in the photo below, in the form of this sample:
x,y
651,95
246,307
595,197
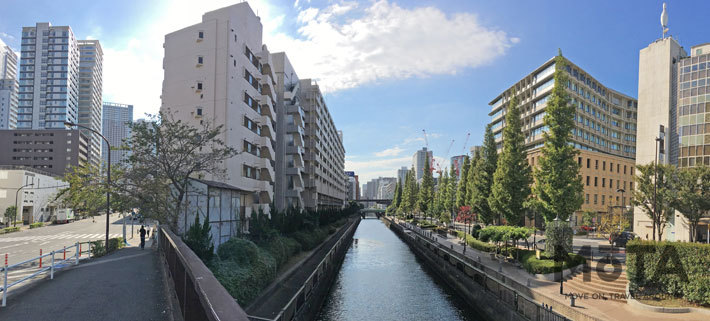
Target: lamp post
x,y
14,223
659,146
108,178
623,205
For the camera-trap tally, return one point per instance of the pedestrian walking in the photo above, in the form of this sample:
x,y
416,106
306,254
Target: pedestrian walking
x,y
143,233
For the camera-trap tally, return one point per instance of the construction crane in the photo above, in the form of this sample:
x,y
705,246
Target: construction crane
x,y
465,143
449,149
438,166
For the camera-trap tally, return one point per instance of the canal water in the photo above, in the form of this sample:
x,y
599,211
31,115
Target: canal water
x,y
381,279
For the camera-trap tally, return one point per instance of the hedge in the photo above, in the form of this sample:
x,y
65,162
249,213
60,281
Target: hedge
x,y
37,224
685,274
545,264
10,229
98,249
476,244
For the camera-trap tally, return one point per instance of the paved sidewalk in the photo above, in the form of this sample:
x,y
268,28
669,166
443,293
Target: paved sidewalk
x,y
126,285
602,309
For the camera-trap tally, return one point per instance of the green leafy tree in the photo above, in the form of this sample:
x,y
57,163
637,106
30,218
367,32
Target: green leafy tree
x,y
199,239
165,154
692,198
643,195
450,194
472,168
409,193
461,191
440,195
86,193
392,208
482,180
426,190
512,178
558,188
10,214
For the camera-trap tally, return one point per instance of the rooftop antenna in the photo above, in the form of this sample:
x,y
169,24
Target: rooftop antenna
x,y
664,21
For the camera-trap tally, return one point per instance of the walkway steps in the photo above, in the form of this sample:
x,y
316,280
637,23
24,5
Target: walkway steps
x,y
613,290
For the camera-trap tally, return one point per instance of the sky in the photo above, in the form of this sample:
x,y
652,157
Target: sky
x,y
389,68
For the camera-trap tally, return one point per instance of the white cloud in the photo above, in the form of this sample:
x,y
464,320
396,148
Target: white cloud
x,y
386,41
367,170
394,151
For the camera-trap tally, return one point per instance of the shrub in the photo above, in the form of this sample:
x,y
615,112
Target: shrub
x,y
476,244
243,269
546,264
282,248
581,233
11,229
684,274
199,239
98,249
36,225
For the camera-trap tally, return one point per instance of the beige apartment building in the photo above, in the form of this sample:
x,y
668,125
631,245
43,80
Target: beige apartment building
x,y
605,132
219,71
674,92
325,179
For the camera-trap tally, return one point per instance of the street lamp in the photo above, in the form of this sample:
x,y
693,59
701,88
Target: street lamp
x,y
623,204
108,179
659,146
14,223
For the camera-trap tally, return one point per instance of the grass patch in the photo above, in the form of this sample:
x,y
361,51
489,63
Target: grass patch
x,y
10,229
36,225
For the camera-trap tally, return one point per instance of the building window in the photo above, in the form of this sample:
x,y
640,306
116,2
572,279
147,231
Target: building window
x,y
199,111
587,180
611,167
595,199
596,164
200,60
199,85
200,35
595,181
579,161
624,169
587,199
603,199
603,182
588,161
617,168
604,165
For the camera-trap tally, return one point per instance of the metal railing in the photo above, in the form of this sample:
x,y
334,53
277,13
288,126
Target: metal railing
x,y
54,264
493,282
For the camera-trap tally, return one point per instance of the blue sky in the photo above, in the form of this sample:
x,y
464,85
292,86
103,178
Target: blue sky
x,y
390,68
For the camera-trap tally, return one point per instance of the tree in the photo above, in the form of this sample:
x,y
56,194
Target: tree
x,y
392,209
10,214
86,193
199,239
643,195
461,191
450,194
165,154
692,198
613,223
558,186
426,190
409,194
472,168
482,179
440,196
512,178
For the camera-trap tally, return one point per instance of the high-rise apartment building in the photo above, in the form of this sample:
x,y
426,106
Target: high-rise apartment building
x,y
50,150
325,180
90,94
49,77
289,185
115,127
605,131
218,71
8,87
419,160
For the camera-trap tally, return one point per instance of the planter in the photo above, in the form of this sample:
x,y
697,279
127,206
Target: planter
x,y
555,276
643,306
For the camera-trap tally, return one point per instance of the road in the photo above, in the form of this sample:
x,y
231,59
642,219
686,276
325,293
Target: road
x,y
24,245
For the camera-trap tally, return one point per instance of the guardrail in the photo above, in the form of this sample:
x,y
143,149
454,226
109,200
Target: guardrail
x,y
54,264
496,283
200,295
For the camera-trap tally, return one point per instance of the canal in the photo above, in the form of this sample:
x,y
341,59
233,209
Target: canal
x,y
381,279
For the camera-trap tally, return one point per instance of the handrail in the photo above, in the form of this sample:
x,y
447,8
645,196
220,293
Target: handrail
x,y
6,288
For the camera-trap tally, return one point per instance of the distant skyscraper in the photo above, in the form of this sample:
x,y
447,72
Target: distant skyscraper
x,y
49,77
90,94
116,118
456,164
474,150
419,160
402,174
8,87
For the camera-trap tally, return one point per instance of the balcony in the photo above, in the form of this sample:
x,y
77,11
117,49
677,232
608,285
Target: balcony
x,y
267,85
298,150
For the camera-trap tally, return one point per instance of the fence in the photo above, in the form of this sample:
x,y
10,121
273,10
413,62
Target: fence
x,y
54,264
200,295
512,294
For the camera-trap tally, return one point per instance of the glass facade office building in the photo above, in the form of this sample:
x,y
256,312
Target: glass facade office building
x,y
694,107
